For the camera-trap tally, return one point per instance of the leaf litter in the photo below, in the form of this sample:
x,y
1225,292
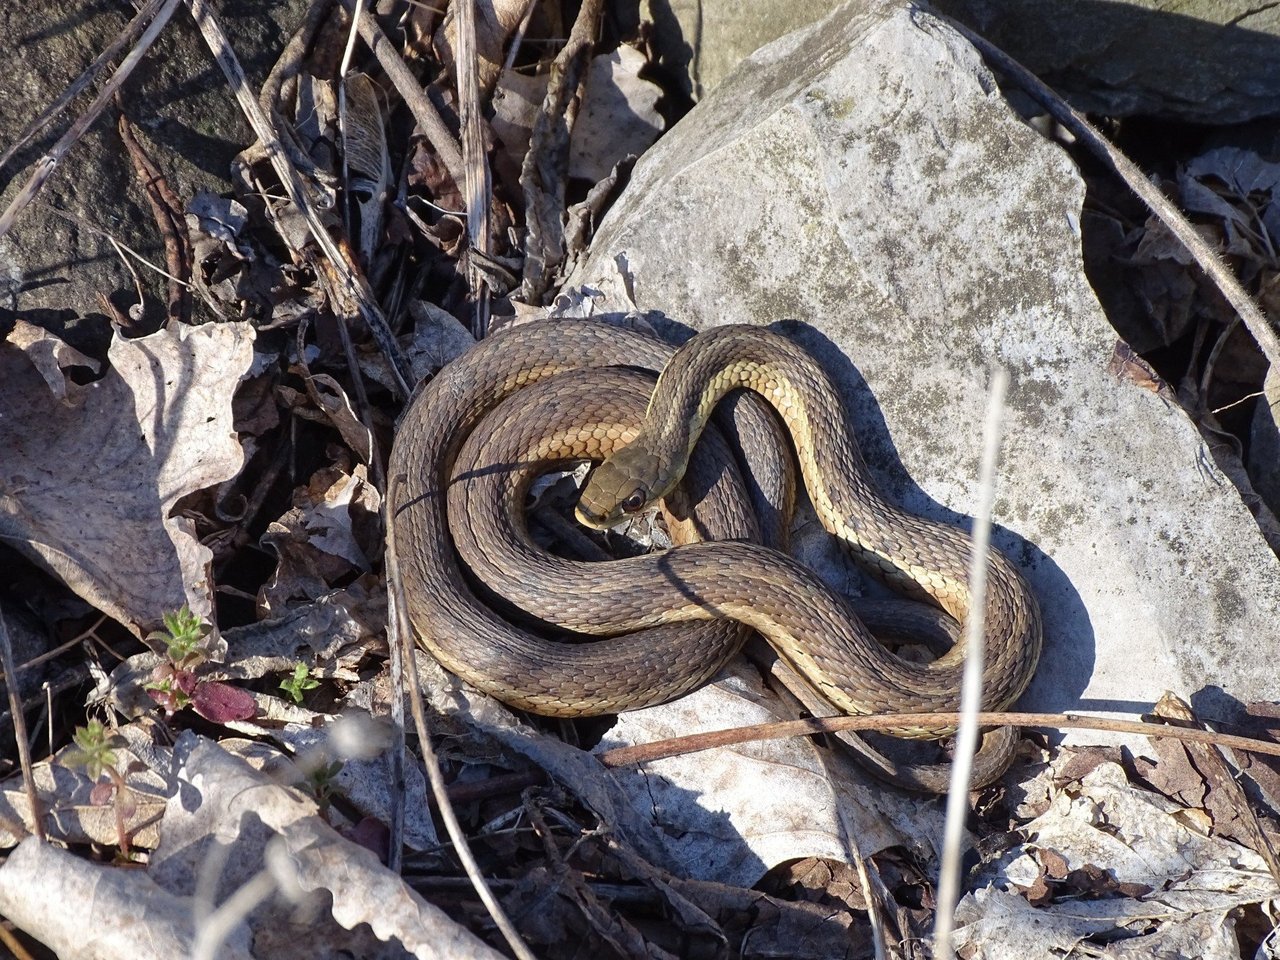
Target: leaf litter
x,y
233,469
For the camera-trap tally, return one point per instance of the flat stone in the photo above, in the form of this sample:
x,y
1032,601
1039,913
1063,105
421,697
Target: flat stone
x,y
866,178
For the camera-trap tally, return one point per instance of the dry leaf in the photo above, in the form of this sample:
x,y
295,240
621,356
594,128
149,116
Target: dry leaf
x,y
89,483
1154,867
327,534
117,913
619,116
264,825
718,822
50,355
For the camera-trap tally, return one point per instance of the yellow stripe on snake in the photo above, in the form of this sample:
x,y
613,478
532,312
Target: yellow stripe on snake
x,y
566,408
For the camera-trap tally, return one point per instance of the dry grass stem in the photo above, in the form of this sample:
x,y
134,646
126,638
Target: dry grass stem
x,y
971,685
20,727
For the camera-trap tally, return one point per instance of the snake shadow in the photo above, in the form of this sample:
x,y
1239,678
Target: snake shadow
x,y
1069,655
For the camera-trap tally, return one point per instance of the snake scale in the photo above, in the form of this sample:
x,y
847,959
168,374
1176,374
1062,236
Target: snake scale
x,y
648,599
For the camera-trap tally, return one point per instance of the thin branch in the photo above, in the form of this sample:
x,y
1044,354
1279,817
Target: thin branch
x,y
679,746
127,36
20,727
1217,271
407,85
971,685
47,164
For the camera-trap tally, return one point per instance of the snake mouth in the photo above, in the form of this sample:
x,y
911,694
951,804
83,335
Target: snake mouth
x,y
596,521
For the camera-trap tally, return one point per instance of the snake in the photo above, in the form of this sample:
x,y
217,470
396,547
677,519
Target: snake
x,y
644,602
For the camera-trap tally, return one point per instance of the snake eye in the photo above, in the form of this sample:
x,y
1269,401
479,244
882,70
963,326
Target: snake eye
x,y
634,502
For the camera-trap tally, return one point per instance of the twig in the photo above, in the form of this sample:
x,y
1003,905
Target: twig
x,y
77,86
49,162
20,727
971,685
400,634
546,165
514,50
166,208
407,85
679,746
478,182
1217,271
11,943
352,281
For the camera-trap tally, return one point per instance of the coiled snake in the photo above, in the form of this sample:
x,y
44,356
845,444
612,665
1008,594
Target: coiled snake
x,y
729,582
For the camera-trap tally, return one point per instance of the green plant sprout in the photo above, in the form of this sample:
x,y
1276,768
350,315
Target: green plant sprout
x,y
95,753
182,637
300,682
321,784
174,684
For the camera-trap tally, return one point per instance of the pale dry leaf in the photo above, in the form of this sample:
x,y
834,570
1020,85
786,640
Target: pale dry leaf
x,y
330,634
50,355
516,102
368,163
1142,841
106,912
221,218
88,485
222,796
994,925
70,814
1144,838
619,116
322,538
437,338
720,824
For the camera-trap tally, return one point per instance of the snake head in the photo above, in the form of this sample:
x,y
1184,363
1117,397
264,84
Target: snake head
x,y
619,488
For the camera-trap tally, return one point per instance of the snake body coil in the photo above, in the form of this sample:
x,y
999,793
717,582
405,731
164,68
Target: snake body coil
x,y
810,625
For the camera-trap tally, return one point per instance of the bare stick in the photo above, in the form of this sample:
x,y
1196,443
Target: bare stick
x,y
1160,205
679,746
407,85
400,632
546,165
20,727
49,162
91,72
971,685
478,181
352,281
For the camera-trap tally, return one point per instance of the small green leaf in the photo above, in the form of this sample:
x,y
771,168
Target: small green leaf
x,y
94,750
299,683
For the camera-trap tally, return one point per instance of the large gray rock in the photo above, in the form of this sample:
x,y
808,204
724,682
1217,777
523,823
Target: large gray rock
x,y
866,177
1205,61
